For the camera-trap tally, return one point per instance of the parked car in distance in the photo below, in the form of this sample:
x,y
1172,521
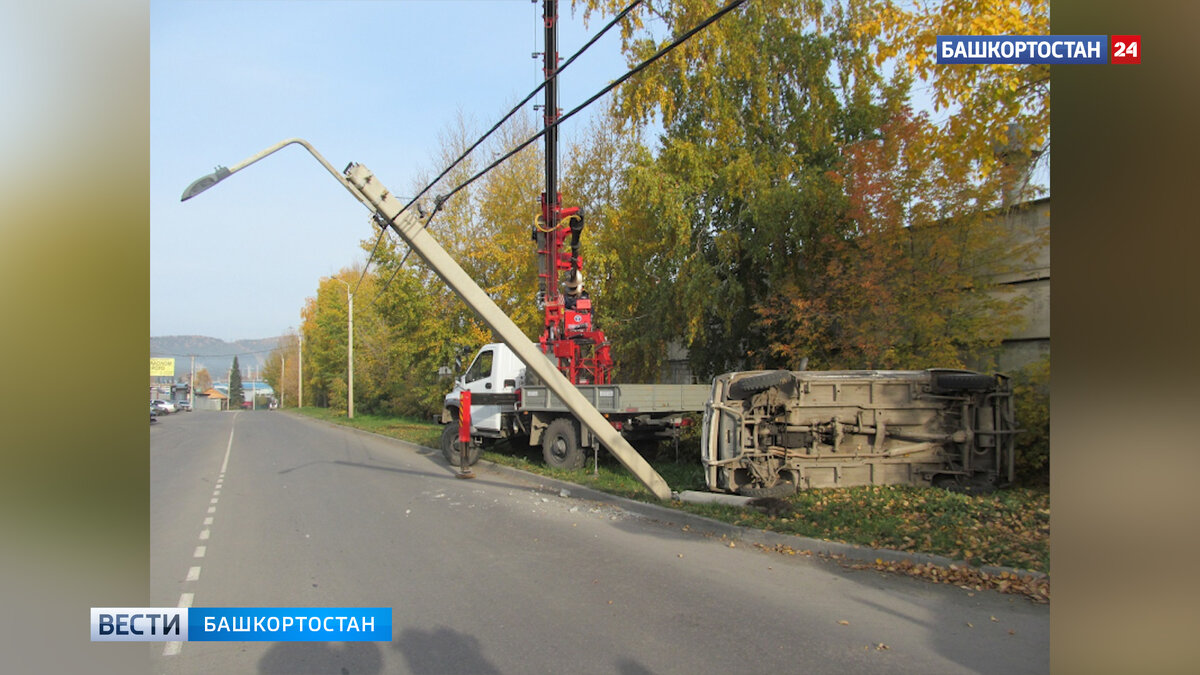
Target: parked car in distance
x,y
164,407
153,413
183,406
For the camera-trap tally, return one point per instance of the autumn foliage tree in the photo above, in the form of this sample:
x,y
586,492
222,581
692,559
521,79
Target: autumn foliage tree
x,y
280,370
203,381
998,115
908,286
410,328
756,111
813,214
793,206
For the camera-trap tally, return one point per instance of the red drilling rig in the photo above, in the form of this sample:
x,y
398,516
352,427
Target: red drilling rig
x,y
569,336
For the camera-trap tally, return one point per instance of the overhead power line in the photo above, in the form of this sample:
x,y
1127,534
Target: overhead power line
x,y
616,19
613,85
441,199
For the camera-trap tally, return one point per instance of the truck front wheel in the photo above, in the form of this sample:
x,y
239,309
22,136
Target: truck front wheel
x,y
560,445
452,447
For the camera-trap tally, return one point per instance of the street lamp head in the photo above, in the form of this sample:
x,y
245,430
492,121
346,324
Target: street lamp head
x,y
202,184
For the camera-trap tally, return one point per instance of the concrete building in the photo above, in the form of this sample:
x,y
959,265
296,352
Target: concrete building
x,y
1028,278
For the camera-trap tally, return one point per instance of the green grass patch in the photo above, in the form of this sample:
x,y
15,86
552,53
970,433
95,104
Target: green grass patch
x,y
413,431
1009,527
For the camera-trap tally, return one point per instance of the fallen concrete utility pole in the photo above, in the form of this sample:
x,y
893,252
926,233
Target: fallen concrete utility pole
x,y
365,188
411,230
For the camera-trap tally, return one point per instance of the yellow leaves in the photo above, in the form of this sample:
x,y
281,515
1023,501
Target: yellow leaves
x,y
1036,588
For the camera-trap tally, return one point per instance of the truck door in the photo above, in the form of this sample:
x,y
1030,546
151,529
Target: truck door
x,y
481,379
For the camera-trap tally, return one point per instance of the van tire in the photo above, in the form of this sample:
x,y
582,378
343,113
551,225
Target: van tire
x,y
746,386
963,382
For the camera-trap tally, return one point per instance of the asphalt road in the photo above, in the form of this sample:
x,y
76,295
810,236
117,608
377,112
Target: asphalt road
x,y
493,575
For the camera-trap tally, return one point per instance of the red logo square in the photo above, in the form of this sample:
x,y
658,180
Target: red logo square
x,y
1125,49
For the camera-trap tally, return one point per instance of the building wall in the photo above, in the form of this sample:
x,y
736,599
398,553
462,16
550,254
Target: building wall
x,y
206,403
1029,338
1026,275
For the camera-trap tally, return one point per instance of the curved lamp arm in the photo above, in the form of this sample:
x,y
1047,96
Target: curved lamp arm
x,y
221,173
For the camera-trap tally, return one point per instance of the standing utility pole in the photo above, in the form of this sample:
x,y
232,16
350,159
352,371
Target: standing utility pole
x,y
349,350
300,371
552,202
578,349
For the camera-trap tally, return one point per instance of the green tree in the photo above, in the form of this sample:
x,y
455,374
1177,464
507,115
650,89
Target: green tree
x,y
324,326
501,255
745,189
628,259
809,214
1031,391
236,396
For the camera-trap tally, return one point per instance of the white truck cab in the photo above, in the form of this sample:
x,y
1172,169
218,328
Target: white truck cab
x,y
495,370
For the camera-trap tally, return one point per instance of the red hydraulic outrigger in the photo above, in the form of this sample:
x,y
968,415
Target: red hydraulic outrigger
x,y
579,349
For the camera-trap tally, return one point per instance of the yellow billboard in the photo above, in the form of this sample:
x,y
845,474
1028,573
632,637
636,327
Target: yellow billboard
x,y
162,367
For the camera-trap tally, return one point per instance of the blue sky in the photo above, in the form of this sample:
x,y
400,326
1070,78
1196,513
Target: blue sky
x,y
370,82
374,82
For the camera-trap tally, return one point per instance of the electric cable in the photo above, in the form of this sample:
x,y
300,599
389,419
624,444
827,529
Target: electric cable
x,y
525,100
440,199
641,66
616,19
399,265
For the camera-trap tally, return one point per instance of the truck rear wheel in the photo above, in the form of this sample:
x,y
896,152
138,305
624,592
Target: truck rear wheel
x,y
452,447
560,445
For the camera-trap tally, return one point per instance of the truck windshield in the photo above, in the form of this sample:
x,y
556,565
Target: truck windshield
x,y
480,368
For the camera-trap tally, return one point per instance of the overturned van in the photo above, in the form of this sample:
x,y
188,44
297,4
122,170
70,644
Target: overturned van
x,y
769,433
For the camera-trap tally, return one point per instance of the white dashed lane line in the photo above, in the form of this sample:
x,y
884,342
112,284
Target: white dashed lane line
x,y
193,573
172,648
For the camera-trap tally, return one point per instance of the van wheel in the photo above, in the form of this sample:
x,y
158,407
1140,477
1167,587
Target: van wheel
x,y
452,447
963,382
560,445
748,386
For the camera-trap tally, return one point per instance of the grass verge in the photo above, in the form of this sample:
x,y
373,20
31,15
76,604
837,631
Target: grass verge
x,y
1008,528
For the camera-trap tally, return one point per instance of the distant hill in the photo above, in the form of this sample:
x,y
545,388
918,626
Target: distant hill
x,y
212,353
